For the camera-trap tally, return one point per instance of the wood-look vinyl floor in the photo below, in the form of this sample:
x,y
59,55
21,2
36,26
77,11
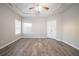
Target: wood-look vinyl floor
x,y
38,47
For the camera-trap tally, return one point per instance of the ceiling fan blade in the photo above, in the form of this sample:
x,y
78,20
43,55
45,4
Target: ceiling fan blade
x,y
46,8
31,8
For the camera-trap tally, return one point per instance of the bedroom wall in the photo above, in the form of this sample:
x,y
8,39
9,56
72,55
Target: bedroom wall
x,y
7,26
67,26
39,27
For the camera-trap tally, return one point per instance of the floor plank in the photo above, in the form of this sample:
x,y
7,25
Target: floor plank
x,y
38,47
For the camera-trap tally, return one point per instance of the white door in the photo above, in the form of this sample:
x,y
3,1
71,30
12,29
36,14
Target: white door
x,y
51,29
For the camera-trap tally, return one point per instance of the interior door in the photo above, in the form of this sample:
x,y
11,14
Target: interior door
x,y
51,29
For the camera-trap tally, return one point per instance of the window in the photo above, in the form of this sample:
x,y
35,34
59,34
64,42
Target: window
x,y
27,28
17,26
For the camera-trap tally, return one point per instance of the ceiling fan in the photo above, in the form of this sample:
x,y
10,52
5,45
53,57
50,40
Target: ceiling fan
x,y
38,7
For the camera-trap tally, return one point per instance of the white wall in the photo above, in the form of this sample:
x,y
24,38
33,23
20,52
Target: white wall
x,y
7,26
39,27
68,26
59,29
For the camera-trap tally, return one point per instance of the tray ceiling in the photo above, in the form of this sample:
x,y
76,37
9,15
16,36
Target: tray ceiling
x,y
23,8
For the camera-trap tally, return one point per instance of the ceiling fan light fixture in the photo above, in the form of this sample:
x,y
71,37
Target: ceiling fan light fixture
x,y
31,8
39,8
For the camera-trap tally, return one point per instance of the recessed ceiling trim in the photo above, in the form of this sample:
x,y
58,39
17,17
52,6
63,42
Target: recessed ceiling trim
x,y
50,12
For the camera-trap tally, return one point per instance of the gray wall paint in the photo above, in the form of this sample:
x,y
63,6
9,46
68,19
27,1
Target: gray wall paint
x,y
68,26
7,26
59,29
39,27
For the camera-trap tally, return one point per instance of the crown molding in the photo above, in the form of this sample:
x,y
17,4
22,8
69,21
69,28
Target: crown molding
x,y
59,9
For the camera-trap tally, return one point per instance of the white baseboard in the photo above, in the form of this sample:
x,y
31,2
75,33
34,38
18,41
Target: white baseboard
x,y
58,40
71,45
68,44
9,43
33,37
